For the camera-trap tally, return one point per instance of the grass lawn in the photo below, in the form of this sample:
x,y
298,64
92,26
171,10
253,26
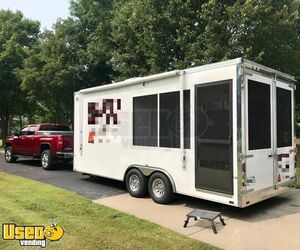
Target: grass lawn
x,y
87,225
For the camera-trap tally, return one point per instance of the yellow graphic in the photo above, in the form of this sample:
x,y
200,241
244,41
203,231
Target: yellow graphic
x,y
54,232
32,235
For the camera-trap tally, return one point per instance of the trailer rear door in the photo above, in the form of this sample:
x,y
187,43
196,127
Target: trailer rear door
x,y
285,156
269,126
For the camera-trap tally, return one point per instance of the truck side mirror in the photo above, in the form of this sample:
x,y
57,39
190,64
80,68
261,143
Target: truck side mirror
x,y
16,134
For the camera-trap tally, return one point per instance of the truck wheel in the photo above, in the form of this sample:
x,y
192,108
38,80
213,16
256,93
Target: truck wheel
x,y
46,160
136,183
9,157
160,188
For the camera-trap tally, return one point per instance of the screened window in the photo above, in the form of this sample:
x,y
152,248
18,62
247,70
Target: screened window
x,y
169,116
31,130
259,115
213,112
187,118
284,117
145,120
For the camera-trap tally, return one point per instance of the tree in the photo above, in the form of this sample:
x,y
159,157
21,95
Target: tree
x,y
93,22
72,57
108,40
53,71
17,36
152,36
263,31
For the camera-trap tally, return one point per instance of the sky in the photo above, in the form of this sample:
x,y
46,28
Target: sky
x,y
45,11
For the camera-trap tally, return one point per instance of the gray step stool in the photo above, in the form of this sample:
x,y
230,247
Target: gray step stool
x,y
204,215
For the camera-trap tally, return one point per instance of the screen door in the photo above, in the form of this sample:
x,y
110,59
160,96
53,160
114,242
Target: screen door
x,y
213,112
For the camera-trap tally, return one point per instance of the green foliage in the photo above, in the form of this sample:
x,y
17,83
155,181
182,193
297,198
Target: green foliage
x,y
66,60
53,72
151,36
17,36
263,31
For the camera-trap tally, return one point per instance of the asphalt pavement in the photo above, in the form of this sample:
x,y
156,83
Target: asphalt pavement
x,y
64,177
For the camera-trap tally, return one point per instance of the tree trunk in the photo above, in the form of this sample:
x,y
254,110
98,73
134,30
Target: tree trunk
x,y
20,122
4,127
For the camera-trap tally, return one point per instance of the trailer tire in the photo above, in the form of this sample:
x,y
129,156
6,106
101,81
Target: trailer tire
x,y
160,188
136,183
46,160
8,155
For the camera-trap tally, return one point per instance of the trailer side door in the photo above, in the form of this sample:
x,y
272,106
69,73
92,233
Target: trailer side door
x,y
213,130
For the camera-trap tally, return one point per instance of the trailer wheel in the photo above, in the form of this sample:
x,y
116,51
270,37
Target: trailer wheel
x,y
136,183
46,160
8,155
160,188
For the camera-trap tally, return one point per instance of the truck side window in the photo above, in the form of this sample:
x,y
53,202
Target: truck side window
x,y
31,130
145,120
24,131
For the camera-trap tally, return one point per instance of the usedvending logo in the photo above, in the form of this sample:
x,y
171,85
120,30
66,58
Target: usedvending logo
x,y
32,235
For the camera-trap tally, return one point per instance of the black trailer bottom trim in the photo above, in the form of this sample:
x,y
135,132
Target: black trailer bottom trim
x,y
205,215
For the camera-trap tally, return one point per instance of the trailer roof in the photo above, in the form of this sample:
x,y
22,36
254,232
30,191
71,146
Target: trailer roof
x,y
246,63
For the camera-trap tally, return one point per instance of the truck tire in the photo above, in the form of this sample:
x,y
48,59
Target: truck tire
x,y
136,183
8,155
46,160
160,188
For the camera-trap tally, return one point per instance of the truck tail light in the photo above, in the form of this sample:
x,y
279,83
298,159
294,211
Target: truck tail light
x,y
60,142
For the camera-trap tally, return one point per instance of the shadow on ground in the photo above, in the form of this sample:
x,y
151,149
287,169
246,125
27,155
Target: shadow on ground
x,y
105,181
279,206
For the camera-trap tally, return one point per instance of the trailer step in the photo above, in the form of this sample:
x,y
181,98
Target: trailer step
x,y
205,215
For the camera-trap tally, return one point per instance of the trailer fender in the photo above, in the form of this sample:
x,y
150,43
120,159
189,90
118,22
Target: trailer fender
x,y
147,171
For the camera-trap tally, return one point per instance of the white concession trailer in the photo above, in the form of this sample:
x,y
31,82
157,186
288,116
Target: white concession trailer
x,y
223,132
